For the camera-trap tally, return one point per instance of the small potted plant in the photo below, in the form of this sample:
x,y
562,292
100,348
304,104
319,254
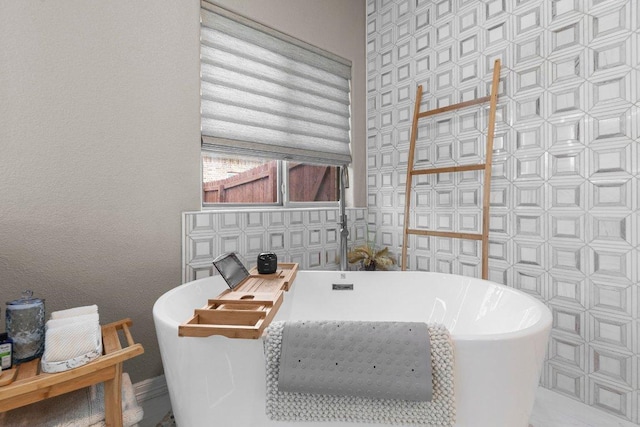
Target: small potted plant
x,y
370,258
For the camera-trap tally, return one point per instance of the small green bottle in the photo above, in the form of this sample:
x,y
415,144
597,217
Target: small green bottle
x,y
6,351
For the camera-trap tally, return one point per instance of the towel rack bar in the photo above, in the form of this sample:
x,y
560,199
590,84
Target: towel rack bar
x,y
454,107
127,334
448,169
452,234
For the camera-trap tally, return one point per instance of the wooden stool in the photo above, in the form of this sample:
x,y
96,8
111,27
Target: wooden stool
x,y
25,384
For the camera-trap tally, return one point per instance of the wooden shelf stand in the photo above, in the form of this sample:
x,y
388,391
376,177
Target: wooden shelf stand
x,y
486,167
25,384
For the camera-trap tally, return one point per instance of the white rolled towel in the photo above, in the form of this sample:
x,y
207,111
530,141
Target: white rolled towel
x,y
77,311
70,337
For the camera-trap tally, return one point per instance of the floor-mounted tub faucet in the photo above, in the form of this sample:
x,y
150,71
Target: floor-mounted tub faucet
x,y
344,230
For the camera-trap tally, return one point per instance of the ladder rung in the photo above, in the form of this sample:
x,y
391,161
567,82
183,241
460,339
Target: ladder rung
x,y
448,169
455,106
452,234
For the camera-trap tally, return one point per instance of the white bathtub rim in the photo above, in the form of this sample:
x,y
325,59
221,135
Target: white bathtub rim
x,y
540,326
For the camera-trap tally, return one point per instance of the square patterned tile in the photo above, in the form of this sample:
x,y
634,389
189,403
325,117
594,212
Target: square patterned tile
x,y
564,210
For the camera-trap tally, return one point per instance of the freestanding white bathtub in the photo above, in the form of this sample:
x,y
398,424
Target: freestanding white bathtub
x,y
499,335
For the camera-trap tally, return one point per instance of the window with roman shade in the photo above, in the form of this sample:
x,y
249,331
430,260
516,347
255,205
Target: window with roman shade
x,y
266,94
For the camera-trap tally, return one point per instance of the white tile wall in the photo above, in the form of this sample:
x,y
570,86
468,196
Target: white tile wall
x,y
565,222
310,237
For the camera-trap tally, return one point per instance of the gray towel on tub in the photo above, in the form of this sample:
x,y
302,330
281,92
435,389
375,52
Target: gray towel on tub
x,y
292,406
386,360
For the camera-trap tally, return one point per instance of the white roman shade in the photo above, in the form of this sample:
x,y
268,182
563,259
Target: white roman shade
x,y
266,94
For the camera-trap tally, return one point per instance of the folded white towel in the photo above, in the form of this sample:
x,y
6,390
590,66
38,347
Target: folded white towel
x,y
77,311
64,321
71,337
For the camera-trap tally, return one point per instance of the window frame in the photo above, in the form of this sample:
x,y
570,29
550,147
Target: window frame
x,y
332,73
283,201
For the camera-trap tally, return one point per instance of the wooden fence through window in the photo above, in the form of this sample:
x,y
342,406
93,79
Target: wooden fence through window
x,y
259,185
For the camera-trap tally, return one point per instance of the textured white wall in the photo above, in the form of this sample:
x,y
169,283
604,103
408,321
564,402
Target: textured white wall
x,y
100,145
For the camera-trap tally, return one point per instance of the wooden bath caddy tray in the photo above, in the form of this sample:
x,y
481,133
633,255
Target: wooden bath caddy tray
x,y
245,311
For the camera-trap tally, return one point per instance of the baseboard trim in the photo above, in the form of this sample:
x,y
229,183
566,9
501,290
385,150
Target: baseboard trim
x,y
150,388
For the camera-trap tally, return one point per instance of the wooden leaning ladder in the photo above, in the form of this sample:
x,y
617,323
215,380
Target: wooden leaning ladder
x,y
486,167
